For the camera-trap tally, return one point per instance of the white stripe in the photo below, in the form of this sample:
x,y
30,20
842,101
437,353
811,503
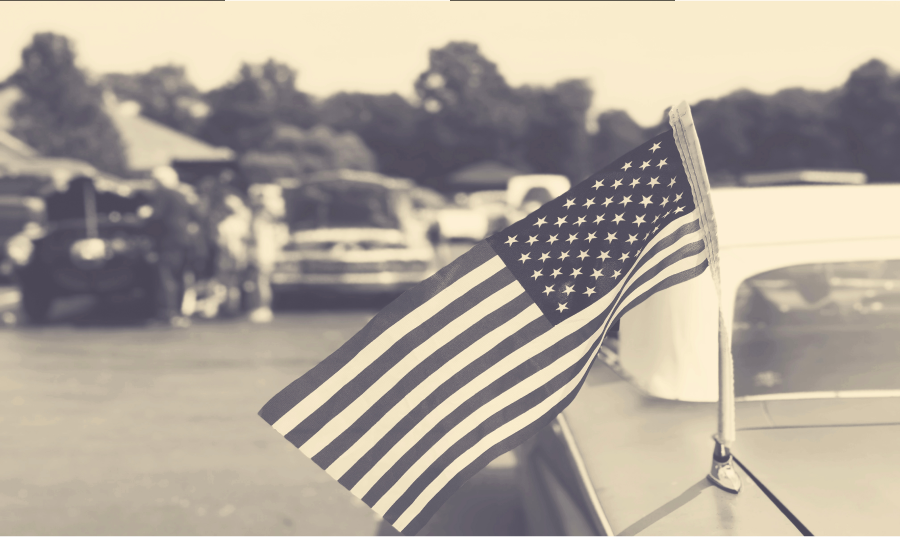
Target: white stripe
x,y
522,355
477,417
427,387
395,374
383,342
679,266
495,437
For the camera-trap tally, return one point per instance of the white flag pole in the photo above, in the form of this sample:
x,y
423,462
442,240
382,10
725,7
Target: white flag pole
x,y
722,473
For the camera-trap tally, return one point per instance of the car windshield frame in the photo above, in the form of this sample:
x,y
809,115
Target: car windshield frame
x,y
341,203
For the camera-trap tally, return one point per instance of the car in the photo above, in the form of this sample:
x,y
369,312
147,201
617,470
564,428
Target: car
x,y
526,193
96,241
353,233
808,274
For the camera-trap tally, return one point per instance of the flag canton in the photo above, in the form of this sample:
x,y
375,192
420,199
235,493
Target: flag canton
x,y
575,249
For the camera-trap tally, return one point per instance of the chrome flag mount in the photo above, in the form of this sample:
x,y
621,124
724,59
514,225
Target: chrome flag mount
x,y
476,359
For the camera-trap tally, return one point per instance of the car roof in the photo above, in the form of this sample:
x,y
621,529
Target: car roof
x,y
807,213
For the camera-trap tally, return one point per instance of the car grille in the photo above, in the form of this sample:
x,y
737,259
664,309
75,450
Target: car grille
x,y
341,267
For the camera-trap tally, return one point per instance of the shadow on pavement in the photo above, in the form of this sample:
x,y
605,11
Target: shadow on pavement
x,y
487,504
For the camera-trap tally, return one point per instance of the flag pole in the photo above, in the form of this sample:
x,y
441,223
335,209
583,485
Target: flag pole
x,y
722,472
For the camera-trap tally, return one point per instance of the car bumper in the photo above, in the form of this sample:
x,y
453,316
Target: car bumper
x,y
377,282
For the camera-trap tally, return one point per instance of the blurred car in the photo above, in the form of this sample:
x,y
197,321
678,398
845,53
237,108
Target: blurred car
x,y
95,241
353,232
526,193
817,385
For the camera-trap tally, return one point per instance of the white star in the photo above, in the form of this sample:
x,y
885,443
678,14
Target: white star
x,y
590,237
582,255
655,218
569,290
616,274
589,202
597,273
511,240
544,257
626,166
590,291
679,209
645,164
575,272
572,238
610,237
580,220
672,182
552,238
617,184
664,202
564,255
625,201
654,229
635,182
531,240
661,163
631,238
667,214
569,203
562,307
646,201
541,221
525,257
536,274
639,220
624,256
655,147
603,255
560,221
599,218
548,289
677,197
607,202
618,218
646,235
654,181
598,184
556,272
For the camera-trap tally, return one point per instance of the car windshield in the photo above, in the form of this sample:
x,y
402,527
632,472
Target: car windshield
x,y
340,204
820,327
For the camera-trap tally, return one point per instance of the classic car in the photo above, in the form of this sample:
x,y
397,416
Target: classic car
x,y
807,275
95,241
353,232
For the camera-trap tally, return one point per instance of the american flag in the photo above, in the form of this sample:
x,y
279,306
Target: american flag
x,y
476,359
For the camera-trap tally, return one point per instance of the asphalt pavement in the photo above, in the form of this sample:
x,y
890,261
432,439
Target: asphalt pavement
x,y
113,427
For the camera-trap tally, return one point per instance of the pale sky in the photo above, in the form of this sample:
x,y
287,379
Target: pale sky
x,y
640,57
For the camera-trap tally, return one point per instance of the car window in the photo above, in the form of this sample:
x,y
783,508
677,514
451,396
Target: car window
x,y
818,327
341,204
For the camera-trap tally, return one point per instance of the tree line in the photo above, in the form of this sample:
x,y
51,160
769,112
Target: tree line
x,y
464,112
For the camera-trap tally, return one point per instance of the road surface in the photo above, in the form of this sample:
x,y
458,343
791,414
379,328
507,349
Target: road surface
x,y
110,428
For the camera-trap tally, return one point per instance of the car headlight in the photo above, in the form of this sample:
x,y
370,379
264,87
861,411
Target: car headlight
x,y
19,248
89,250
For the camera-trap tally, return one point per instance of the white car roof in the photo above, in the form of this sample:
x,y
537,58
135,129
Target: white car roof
x,y
806,213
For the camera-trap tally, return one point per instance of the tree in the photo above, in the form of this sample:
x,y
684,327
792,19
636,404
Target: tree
x,y
387,124
616,134
869,109
472,113
165,94
246,111
60,113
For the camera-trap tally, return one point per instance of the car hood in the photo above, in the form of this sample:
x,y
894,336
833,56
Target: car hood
x,y
833,463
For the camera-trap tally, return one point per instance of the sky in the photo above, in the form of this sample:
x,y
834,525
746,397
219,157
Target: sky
x,y
638,57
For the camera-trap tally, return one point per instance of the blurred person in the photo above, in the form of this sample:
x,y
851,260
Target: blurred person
x,y
269,233
173,218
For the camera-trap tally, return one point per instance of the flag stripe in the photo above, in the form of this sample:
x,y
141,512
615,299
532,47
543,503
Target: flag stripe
x,y
508,346
404,305
356,382
432,367
508,443
670,281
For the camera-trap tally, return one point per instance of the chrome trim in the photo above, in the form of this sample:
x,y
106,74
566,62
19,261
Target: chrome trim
x,y
840,394
582,473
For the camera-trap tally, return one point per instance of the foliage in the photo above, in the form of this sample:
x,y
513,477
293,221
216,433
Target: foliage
x,y
165,94
60,113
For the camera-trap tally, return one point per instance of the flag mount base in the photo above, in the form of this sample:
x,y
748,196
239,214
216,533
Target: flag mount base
x,y
723,474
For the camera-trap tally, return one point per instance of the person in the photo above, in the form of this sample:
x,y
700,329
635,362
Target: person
x,y
268,232
172,217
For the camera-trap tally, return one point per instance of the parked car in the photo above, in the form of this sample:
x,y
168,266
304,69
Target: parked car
x,y
95,241
817,380
353,232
